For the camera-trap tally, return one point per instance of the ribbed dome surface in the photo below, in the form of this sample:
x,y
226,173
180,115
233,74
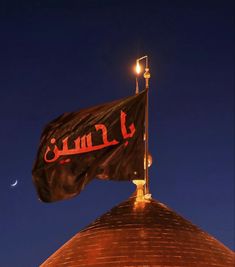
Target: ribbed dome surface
x,y
143,235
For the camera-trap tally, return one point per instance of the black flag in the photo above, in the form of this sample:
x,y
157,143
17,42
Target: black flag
x,y
104,141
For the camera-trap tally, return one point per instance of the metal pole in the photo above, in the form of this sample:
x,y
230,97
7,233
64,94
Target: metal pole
x,y
146,154
136,86
147,77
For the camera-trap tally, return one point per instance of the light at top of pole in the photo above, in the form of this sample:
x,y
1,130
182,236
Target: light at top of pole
x,y
137,67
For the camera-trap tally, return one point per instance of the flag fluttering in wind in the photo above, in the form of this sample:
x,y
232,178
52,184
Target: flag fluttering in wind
x,y
104,141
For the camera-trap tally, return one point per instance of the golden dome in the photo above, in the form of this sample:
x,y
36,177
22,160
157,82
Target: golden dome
x,y
143,235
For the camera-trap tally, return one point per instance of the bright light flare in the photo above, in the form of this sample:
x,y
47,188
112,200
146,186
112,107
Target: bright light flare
x,y
137,67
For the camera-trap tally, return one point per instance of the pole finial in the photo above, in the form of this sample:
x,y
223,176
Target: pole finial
x,y
147,77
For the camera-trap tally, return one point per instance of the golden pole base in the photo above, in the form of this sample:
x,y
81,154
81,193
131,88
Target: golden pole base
x,y
140,196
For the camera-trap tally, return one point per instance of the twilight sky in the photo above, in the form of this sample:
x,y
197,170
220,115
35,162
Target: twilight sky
x,y
59,56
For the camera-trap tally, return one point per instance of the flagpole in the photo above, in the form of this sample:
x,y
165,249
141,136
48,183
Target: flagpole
x,y
146,137
147,77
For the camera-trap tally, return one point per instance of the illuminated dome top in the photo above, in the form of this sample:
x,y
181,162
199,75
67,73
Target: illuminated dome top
x,y
142,235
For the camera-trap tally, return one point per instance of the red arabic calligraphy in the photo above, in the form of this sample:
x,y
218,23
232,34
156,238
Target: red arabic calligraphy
x,y
84,144
123,126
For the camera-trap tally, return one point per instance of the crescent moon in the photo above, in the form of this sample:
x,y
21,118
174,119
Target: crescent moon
x,y
14,184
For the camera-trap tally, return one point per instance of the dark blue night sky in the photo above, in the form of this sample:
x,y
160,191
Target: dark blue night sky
x,y
59,56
